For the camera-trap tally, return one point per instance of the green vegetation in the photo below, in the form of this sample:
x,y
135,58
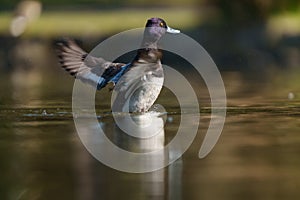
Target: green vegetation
x,y
94,17
104,3
80,23
237,11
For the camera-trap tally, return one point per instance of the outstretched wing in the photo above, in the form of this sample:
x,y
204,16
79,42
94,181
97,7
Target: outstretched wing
x,y
92,70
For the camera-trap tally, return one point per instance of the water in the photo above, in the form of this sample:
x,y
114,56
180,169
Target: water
x,y
42,157
257,157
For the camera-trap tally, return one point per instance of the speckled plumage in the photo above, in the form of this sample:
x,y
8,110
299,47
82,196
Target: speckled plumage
x,y
137,84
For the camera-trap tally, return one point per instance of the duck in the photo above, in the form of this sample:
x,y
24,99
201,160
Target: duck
x,y
142,77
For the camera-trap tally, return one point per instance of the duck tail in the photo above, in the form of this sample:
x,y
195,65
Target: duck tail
x,y
71,56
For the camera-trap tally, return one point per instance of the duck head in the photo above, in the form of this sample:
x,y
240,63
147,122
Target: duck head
x,y
155,28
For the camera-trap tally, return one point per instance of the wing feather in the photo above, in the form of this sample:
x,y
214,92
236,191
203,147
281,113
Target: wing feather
x,y
89,69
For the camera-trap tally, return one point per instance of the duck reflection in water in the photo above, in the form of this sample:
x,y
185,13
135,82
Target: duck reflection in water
x,y
166,182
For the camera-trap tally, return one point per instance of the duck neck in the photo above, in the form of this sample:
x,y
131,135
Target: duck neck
x,y
149,43
149,51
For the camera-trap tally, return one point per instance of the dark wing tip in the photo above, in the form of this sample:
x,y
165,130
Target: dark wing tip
x,y
70,55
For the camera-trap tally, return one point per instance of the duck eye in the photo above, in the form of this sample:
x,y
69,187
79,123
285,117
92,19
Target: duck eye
x,y
161,24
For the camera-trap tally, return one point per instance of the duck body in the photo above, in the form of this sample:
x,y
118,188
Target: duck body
x,y
140,85
137,84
